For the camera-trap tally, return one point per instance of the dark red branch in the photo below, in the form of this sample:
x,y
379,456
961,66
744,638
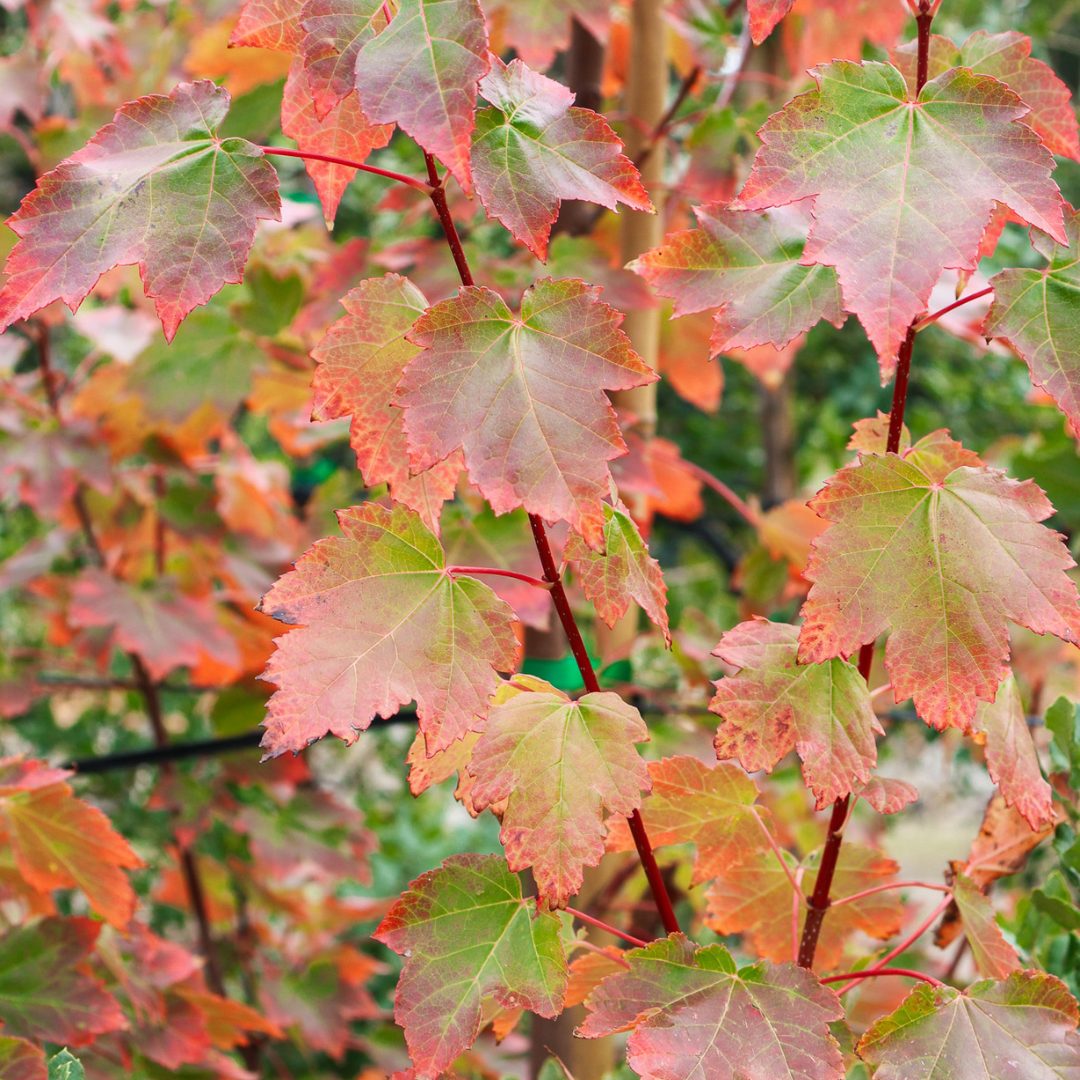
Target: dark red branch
x,y
923,21
309,156
446,220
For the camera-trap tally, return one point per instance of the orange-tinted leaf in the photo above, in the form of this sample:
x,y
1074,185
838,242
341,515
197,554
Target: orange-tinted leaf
x,y
764,15
756,897
680,497
532,149
941,549
823,30
334,33
624,572
160,158
466,931
342,132
885,795
524,396
775,705
384,624
587,972
854,145
693,1013
240,69
994,957
361,359
686,361
61,842
269,24
229,1021
1004,843
749,267
165,629
559,764
425,771
43,992
788,530
710,806
1010,755
421,73
1006,57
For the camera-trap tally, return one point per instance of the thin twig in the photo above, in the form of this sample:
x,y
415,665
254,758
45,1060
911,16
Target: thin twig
x,y
873,973
884,888
346,163
663,125
453,571
930,319
780,858
607,927
744,509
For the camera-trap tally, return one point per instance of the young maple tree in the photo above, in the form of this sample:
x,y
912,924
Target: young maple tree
x,y
866,193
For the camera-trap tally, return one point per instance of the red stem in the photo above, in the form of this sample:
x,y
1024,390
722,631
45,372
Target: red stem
x,y
536,582
907,942
819,902
923,21
873,973
310,156
601,925
551,576
737,504
894,885
923,323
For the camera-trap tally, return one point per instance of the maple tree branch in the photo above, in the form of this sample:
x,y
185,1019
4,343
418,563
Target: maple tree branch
x,y
446,220
873,973
453,571
907,942
744,509
923,20
306,155
665,121
819,902
922,324
551,574
796,896
884,888
601,925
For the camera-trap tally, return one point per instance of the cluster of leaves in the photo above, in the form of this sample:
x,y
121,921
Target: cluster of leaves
x,y
479,421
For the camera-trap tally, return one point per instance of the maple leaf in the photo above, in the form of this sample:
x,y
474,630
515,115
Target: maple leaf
x,y
710,806
43,992
994,957
60,842
1007,57
421,73
1035,312
775,705
822,30
142,191
686,363
532,148
559,764
589,970
755,896
524,396
385,624
764,15
885,795
1004,842
538,29
505,543
941,549
856,145
269,24
748,266
21,1060
1010,754
694,1013
165,629
334,33
65,1066
342,132
624,572
465,931
361,359
425,771
1024,1026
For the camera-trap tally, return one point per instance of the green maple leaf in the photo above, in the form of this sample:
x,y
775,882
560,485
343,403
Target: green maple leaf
x,y
465,931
